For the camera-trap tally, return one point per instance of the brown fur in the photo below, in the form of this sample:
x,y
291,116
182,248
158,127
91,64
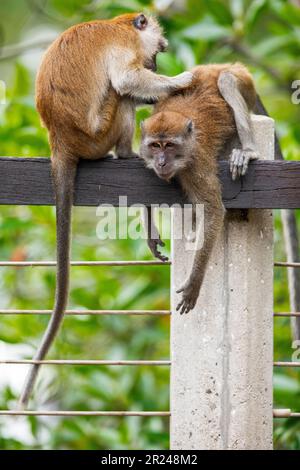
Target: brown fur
x,y
68,84
74,90
203,104
194,161
85,92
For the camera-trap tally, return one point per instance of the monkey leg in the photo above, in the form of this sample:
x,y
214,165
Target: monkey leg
x,y
228,85
126,125
153,236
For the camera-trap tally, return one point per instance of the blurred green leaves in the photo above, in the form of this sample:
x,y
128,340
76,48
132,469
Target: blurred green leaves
x,y
262,33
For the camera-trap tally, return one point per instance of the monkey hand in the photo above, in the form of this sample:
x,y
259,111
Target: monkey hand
x,y
182,80
239,161
153,245
190,292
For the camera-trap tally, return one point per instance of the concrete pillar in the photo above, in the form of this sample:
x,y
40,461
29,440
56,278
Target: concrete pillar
x,y
222,351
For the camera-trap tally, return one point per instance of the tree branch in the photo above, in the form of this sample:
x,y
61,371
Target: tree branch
x,y
15,50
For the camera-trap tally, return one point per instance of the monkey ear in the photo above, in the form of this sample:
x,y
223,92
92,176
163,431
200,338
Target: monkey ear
x,y
140,22
189,126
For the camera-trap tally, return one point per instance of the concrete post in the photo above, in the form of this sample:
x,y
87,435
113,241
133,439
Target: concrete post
x,y
222,351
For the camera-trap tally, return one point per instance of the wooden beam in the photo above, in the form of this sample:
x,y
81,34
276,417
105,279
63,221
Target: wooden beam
x,y
27,181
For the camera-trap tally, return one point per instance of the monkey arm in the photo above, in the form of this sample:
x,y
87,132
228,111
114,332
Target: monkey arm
x,y
143,84
229,89
213,222
153,236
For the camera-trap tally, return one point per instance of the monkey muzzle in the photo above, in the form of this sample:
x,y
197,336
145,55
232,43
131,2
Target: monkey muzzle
x,y
165,173
166,177
151,63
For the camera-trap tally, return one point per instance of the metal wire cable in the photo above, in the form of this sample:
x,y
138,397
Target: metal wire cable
x,y
86,362
87,312
82,413
84,263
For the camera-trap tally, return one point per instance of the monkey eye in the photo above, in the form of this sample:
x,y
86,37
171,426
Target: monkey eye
x,y
155,145
169,144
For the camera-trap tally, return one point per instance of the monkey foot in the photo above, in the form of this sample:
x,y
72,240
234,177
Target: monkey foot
x,y
189,298
153,245
239,161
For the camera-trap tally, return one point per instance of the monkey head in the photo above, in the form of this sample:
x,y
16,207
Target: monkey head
x,y
152,38
149,36
168,143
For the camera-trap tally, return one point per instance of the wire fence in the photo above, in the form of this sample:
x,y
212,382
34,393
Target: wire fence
x,y
286,413
86,362
277,413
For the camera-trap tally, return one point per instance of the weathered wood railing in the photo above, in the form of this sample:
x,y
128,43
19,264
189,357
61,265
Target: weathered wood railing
x,y
222,352
268,184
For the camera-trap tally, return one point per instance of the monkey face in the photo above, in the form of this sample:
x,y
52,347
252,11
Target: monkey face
x,y
165,151
152,39
163,154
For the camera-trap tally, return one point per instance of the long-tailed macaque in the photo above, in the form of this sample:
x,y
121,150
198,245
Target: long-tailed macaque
x,y
186,134
86,90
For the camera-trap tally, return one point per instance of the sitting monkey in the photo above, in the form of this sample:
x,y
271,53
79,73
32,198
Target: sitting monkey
x,y
88,84
185,136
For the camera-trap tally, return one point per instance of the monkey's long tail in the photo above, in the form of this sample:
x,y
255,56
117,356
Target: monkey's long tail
x,y
63,177
291,241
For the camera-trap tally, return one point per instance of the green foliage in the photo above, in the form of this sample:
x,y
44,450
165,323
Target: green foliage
x,y
262,33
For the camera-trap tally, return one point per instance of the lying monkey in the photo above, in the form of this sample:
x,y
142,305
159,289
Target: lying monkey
x,y
86,90
184,137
